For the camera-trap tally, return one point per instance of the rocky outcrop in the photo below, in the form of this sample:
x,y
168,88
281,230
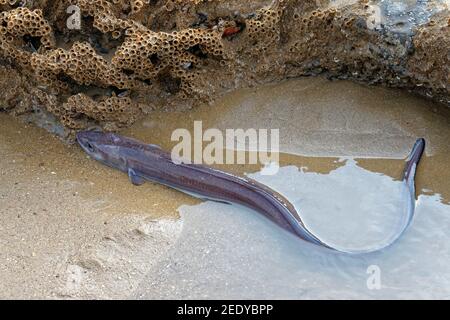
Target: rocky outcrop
x,y
106,62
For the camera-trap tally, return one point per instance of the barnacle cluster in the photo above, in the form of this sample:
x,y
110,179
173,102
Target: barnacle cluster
x,y
174,55
263,29
113,111
131,56
82,64
18,27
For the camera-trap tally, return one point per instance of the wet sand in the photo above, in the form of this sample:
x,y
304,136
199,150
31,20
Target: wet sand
x,y
72,228
60,214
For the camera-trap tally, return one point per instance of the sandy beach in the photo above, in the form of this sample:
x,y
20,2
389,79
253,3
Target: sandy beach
x,y
71,228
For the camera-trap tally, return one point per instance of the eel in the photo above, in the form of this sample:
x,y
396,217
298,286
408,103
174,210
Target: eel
x,y
146,162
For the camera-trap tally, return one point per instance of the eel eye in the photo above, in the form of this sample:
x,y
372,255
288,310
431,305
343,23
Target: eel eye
x,y
89,147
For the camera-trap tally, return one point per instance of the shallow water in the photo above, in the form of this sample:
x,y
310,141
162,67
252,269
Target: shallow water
x,y
349,194
228,252
342,145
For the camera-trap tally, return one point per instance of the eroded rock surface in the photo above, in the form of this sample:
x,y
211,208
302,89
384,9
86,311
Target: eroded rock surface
x,y
99,62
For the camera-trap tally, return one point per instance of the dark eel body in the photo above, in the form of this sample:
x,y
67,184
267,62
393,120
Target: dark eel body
x,y
149,162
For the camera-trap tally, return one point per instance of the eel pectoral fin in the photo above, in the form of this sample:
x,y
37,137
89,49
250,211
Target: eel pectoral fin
x,y
134,178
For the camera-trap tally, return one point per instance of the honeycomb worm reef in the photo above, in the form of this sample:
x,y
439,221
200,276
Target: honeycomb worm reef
x,y
106,63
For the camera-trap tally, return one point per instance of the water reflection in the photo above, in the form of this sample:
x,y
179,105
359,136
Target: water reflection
x,y
350,207
230,252
227,251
